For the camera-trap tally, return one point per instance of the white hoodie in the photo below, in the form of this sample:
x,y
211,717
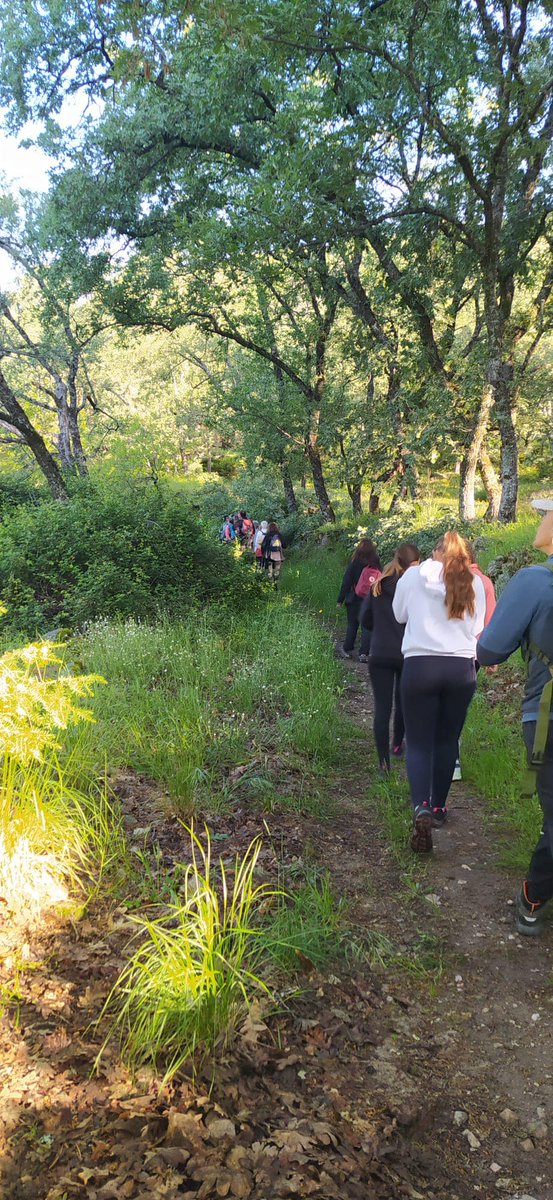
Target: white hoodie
x,y
419,604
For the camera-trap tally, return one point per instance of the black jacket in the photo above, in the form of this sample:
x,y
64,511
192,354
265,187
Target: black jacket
x,y
266,543
377,615
351,576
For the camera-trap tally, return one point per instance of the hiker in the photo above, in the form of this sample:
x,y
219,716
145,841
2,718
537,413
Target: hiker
x,y
442,604
364,555
228,532
246,535
258,545
272,548
491,602
385,657
524,618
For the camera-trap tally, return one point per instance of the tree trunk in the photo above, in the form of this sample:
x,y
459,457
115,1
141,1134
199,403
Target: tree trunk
x,y
289,493
505,399
374,502
12,414
312,451
355,490
77,451
491,484
469,464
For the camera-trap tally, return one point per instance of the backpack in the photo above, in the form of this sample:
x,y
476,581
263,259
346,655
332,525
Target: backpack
x,y
368,576
535,758
275,546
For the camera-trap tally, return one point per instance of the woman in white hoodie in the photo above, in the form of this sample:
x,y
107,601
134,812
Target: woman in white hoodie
x,y
442,605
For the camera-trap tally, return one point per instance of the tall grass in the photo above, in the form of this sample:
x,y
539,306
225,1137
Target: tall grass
x,y
197,971
185,700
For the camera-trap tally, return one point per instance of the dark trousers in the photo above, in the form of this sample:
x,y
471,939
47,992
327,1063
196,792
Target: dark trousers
x,y
540,871
353,609
435,694
385,675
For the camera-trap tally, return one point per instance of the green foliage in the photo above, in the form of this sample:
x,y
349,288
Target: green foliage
x,y
186,701
118,554
195,975
50,832
307,922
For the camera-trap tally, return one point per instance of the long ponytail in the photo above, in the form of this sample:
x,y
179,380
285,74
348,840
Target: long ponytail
x,y
457,575
406,554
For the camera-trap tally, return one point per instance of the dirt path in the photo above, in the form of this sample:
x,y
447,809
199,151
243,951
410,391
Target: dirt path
x,y
487,1025
377,1082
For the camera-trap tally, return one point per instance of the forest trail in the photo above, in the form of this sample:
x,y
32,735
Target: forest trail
x,y
385,1078
486,1023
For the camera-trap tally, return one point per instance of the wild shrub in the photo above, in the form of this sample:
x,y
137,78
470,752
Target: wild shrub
x,y
112,554
48,831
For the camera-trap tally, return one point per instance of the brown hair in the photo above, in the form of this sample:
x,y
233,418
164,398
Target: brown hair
x,y
406,554
366,553
457,575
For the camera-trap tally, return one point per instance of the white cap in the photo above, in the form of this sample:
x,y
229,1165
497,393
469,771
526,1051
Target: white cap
x,y
545,505
264,526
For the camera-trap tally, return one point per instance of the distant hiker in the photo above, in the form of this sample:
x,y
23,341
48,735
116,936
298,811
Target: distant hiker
x,y
258,545
490,607
386,658
272,548
247,530
364,556
228,532
442,604
236,519
524,618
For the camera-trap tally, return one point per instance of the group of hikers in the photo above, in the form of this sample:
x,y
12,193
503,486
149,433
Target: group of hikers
x,y
426,629
263,538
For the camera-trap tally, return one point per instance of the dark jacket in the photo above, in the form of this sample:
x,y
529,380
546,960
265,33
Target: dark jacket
x,y
377,615
524,614
351,576
266,543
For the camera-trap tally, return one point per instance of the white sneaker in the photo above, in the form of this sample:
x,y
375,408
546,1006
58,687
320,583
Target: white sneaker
x,y
457,776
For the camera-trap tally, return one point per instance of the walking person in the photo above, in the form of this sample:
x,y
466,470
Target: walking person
x,y
386,658
258,545
442,604
364,555
272,549
524,618
491,602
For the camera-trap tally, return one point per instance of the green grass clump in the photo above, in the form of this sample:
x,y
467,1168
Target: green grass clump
x,y
308,924
189,985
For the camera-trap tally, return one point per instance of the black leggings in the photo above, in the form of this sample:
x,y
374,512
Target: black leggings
x,y
385,675
353,609
435,693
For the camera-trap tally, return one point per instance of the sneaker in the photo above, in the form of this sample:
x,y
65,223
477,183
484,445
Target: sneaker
x,y
421,837
363,658
528,916
398,751
384,770
344,653
457,776
439,817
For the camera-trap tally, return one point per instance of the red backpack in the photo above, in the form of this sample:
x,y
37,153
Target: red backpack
x,y
368,576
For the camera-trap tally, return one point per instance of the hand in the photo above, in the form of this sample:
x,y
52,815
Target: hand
x,y
491,670
339,604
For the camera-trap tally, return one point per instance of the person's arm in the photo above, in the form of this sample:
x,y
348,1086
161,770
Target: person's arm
x,y
400,602
544,536
347,583
515,609
480,597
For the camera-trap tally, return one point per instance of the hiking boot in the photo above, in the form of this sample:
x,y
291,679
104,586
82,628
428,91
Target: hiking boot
x,y
398,751
439,817
421,837
528,916
457,776
343,653
363,658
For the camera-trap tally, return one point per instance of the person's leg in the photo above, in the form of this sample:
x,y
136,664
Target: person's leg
x,y
420,701
458,685
365,650
382,679
399,726
352,610
276,574
539,881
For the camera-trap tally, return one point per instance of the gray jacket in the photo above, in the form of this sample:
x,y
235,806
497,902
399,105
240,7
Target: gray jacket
x,y
524,614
